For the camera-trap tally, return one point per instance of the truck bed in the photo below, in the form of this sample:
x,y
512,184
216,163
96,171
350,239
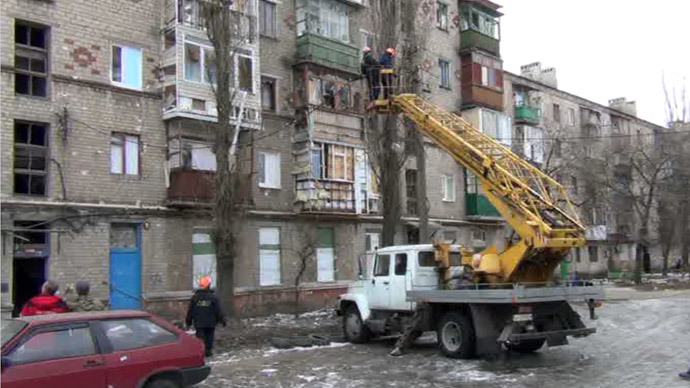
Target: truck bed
x,y
519,293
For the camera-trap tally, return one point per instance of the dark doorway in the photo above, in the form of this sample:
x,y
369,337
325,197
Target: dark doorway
x,y
646,260
31,251
28,276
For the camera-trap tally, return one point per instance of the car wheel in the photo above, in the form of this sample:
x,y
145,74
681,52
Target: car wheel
x,y
527,346
354,328
456,335
162,383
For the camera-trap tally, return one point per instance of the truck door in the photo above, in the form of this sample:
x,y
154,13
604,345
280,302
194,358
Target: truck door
x,y
399,284
380,283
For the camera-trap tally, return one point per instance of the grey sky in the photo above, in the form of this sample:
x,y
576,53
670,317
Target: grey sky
x,y
603,49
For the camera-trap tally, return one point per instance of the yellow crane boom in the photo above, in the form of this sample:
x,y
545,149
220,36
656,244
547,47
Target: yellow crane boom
x,y
536,206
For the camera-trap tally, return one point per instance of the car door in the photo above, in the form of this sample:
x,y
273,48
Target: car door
x,y
137,347
55,356
399,283
380,283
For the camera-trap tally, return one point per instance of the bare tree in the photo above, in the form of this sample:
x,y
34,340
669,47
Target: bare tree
x,y
227,30
305,255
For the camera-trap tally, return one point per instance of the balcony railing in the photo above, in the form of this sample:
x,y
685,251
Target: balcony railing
x,y
526,114
324,195
191,187
474,39
477,205
328,52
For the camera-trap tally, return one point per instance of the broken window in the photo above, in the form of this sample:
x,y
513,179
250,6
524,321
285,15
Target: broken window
x,y
444,65
31,59
126,70
267,18
331,161
411,191
269,170
124,154
556,113
30,157
268,94
473,19
328,96
245,71
442,15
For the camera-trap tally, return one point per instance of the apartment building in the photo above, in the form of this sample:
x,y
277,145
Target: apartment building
x,y
587,147
107,152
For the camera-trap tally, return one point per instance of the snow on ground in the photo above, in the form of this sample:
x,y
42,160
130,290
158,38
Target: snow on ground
x,y
639,343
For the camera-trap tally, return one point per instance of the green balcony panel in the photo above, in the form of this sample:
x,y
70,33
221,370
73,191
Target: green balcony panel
x,y
328,52
474,39
479,205
526,114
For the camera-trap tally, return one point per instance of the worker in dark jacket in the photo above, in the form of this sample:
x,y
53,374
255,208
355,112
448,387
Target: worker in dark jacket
x,y
46,302
205,314
387,61
370,71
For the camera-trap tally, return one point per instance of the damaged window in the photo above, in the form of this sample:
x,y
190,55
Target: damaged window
x,y
473,19
30,157
323,17
442,15
333,161
31,59
245,70
268,94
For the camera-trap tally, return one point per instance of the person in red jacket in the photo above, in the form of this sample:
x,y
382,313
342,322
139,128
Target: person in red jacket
x,y
46,302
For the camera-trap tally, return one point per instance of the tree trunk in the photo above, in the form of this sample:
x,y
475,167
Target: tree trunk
x,y
422,200
390,178
637,275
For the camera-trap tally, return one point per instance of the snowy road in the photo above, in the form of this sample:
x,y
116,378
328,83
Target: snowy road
x,y
639,343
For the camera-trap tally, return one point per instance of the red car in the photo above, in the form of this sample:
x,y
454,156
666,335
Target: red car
x,y
110,349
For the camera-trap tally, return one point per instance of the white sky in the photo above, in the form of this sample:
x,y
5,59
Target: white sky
x,y
603,49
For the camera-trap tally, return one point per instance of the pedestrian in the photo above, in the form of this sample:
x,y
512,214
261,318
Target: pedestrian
x,y
412,331
370,71
387,61
685,375
46,302
83,301
205,313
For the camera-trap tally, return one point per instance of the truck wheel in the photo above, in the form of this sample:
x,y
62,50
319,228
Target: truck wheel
x,y
355,330
527,346
456,335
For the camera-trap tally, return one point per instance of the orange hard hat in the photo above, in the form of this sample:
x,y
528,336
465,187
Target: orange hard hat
x,y
205,282
391,50
366,49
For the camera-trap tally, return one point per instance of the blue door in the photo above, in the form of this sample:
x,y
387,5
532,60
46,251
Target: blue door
x,y
125,266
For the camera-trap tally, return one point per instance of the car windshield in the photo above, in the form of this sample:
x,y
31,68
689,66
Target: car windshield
x,y
10,328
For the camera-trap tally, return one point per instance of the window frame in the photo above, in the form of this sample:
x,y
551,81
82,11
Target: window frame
x,y
108,347
264,184
377,265
305,18
274,97
440,14
446,197
271,249
448,85
123,137
274,21
122,71
556,113
395,265
251,72
46,172
47,328
31,52
204,76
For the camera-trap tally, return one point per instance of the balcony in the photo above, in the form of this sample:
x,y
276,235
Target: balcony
x,y
477,95
328,52
473,39
477,205
326,196
191,188
524,114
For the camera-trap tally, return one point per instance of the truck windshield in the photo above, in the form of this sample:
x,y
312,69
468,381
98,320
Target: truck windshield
x,y
426,259
10,328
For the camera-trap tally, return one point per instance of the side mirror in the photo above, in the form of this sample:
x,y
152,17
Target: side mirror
x,y
6,363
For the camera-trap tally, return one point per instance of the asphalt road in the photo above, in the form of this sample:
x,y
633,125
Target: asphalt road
x,y
639,343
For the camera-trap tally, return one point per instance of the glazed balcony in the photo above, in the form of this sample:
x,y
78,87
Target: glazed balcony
x,y
328,52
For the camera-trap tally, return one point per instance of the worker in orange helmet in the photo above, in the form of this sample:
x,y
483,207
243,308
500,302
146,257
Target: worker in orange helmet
x,y
387,61
205,314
